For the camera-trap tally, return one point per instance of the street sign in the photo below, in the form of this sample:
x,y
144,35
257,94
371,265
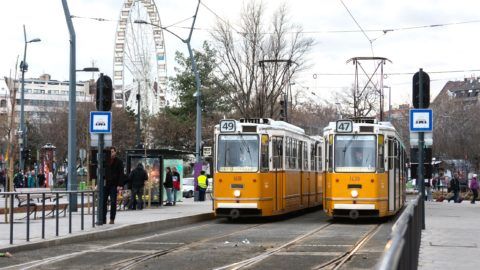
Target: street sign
x,y
94,139
100,122
207,151
428,138
227,126
421,120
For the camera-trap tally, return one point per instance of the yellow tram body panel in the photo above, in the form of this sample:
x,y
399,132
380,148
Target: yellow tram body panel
x,y
266,194
372,191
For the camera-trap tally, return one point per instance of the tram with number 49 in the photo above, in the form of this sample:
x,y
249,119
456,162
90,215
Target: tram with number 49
x,y
366,172
265,167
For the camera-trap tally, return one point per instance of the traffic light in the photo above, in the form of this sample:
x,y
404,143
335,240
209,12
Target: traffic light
x,y
416,90
282,110
107,93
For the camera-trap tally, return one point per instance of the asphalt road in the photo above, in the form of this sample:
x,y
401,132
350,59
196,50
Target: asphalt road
x,y
302,241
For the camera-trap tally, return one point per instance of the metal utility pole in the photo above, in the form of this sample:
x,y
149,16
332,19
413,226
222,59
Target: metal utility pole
x,y
23,67
100,158
198,93
421,146
137,140
380,62
72,102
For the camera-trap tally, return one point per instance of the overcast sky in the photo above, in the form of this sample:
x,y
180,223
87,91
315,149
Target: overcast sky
x,y
435,49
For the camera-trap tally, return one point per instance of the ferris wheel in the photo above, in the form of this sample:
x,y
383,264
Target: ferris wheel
x,y
139,64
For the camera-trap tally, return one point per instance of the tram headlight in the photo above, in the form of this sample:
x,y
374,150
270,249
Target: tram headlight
x,y
354,193
236,193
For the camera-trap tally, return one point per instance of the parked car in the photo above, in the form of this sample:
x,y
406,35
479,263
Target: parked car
x,y
188,187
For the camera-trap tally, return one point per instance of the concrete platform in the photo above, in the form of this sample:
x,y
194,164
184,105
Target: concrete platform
x,y
184,212
451,239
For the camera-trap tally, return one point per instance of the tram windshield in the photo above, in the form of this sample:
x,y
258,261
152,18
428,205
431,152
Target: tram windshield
x,y
237,153
355,153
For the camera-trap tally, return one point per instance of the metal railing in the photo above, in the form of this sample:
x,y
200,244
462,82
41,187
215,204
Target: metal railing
x,y
403,248
42,196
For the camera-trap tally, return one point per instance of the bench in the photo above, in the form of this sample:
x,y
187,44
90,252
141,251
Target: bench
x,y
38,195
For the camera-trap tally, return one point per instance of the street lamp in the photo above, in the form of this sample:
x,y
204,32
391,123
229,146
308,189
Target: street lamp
x,y
198,133
389,102
23,67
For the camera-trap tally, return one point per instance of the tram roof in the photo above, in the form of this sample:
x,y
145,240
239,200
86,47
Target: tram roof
x,y
384,125
268,123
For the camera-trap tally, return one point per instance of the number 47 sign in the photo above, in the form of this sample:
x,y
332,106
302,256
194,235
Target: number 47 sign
x,y
344,126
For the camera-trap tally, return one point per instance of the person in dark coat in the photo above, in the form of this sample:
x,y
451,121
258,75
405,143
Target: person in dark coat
x,y
168,184
41,180
113,181
137,178
455,187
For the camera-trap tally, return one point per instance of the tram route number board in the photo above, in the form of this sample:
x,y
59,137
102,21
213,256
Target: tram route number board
x,y
344,126
227,126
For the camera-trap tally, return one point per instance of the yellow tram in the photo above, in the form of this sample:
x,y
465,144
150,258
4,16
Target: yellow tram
x,y
265,167
366,172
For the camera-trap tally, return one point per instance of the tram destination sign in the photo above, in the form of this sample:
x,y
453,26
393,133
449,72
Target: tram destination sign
x,y
345,126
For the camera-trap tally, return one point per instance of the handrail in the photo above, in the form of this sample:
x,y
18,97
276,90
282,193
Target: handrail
x,y
402,249
10,197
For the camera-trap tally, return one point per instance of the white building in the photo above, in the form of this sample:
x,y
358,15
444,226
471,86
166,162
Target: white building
x,y
44,95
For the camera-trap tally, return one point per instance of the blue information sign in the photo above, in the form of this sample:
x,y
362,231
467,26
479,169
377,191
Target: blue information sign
x,y
421,120
100,122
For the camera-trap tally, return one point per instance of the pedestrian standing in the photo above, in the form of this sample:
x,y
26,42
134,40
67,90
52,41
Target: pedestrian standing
x,y
176,184
137,177
202,185
168,184
455,187
31,179
3,181
474,188
113,177
428,189
41,180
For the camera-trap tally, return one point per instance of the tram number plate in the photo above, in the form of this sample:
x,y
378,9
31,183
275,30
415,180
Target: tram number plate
x,y
236,186
344,126
227,126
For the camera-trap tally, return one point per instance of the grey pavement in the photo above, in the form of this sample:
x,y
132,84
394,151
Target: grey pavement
x,y
451,239
184,212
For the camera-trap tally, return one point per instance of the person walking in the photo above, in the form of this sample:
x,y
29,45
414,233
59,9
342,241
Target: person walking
x,y
176,184
138,177
113,176
41,179
474,188
168,184
455,187
202,185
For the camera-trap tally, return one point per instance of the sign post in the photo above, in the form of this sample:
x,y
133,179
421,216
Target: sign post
x,y
101,123
421,121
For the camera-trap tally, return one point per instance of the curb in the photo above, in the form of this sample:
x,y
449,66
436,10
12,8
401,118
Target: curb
x,y
112,233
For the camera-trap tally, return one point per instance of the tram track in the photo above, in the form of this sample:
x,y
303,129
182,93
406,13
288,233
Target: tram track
x,y
130,262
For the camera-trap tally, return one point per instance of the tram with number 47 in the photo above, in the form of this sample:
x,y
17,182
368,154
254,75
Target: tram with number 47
x,y
265,167
366,172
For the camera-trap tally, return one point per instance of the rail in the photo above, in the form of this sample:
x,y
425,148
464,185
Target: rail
x,y
54,207
402,249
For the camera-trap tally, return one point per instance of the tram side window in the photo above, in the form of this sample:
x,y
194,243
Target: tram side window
x,y
390,154
381,154
305,156
313,160
289,155
300,154
330,153
319,158
293,164
277,148
264,154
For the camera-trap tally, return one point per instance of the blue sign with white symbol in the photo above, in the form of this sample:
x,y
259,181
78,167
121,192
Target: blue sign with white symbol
x,y
100,122
421,120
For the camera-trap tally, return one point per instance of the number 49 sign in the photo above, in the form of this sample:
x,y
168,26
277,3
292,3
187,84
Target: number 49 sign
x,y
227,126
344,126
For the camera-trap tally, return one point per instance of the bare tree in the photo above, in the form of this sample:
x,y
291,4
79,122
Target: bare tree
x,y
257,62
